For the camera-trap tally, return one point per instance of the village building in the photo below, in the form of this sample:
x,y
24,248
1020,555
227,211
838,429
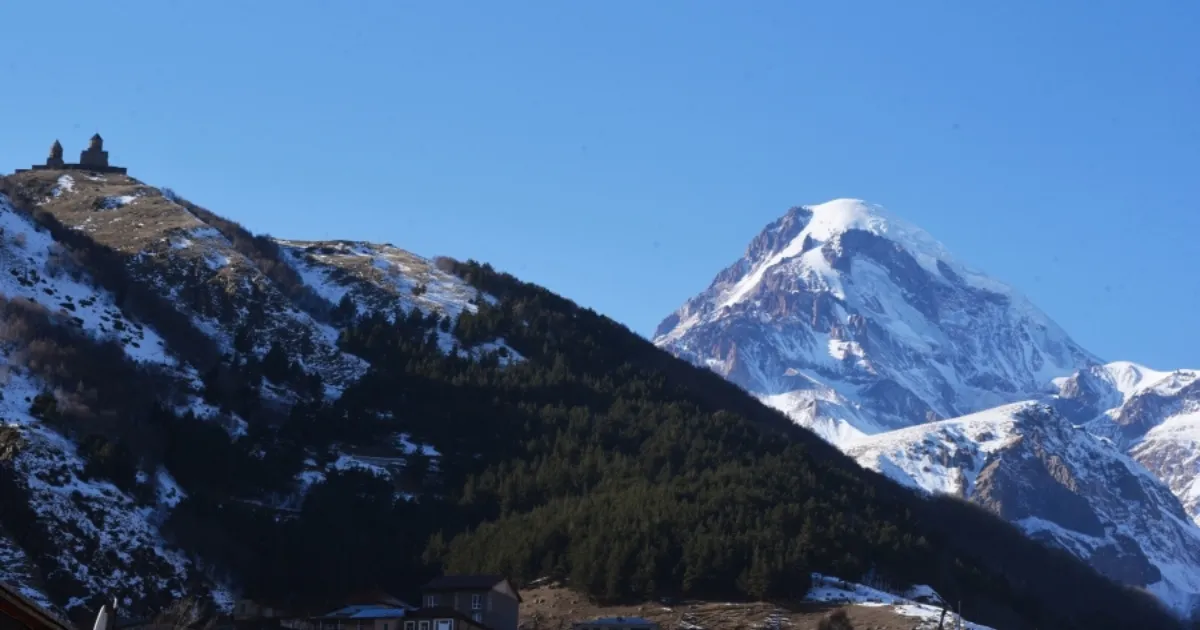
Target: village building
x,y
488,600
451,602
362,617
441,618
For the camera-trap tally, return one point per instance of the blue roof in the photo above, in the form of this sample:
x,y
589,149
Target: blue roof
x,y
367,611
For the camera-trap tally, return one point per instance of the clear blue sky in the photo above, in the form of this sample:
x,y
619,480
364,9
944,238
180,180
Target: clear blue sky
x,y
621,153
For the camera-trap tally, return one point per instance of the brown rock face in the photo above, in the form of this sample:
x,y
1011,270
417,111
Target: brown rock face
x,y
1022,487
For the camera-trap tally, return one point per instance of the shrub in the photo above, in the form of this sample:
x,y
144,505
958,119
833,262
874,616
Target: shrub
x,y
836,620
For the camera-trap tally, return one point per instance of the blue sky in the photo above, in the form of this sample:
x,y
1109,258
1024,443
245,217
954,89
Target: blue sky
x,y
621,153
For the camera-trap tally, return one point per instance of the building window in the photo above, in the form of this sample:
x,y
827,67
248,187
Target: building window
x,y
430,601
410,625
385,626
424,625
477,602
477,616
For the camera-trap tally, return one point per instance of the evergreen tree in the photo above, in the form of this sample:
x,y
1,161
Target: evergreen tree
x,y
275,364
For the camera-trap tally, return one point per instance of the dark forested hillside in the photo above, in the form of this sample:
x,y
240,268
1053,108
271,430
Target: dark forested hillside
x,y
574,449
600,459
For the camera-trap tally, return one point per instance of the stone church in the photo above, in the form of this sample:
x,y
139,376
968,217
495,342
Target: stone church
x,y
94,159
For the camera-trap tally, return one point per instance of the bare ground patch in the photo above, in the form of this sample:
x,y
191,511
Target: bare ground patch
x,y
555,607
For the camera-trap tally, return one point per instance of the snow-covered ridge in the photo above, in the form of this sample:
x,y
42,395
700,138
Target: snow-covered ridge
x,y
399,278
942,457
382,277
1118,382
1152,414
1057,481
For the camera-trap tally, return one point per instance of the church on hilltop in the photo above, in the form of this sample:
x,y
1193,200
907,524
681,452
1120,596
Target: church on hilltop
x,y
94,159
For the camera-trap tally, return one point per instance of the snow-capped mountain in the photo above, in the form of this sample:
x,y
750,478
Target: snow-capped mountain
x,y
1153,416
854,322
1059,483
867,330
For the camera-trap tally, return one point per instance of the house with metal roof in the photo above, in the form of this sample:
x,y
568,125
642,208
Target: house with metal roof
x,y
363,617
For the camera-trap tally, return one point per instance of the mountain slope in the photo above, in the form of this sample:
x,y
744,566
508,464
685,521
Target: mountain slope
x,y
512,431
854,322
1057,482
1154,416
129,261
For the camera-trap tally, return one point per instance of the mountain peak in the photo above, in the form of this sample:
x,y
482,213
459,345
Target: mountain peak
x,y
813,243
839,216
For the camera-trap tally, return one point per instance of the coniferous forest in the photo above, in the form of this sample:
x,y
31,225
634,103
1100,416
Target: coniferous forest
x,y
600,459
596,457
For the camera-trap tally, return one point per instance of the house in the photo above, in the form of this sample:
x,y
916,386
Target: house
x,y
365,611
615,623
440,618
362,617
18,612
490,601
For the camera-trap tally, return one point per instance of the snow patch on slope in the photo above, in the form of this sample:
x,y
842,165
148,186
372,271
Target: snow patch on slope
x,y
17,570
380,277
105,540
34,267
65,184
330,268
920,602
